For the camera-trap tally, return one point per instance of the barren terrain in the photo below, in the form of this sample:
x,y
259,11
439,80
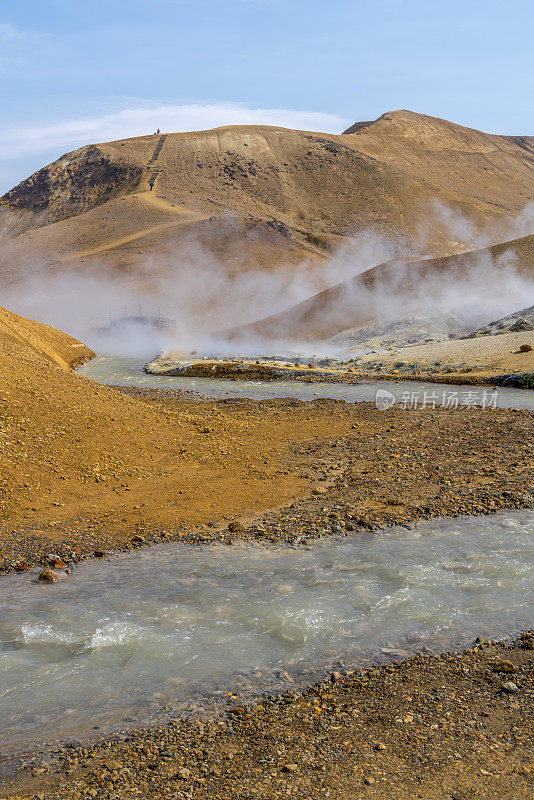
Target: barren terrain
x,y
260,197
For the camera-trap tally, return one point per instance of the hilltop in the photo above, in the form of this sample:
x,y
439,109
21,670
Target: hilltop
x,y
259,196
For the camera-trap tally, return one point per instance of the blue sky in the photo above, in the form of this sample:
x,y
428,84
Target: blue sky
x,y
73,73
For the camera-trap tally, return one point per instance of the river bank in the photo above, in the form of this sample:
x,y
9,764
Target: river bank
x,y
279,470
448,726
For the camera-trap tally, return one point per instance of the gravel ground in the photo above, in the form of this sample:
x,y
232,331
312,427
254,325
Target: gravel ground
x,y
395,467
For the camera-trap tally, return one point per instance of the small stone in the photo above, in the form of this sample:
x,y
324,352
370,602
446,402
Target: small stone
x,y
236,710
319,490
283,675
369,781
138,539
55,561
529,644
184,773
290,768
99,553
236,527
395,652
504,666
509,687
380,746
49,576
335,677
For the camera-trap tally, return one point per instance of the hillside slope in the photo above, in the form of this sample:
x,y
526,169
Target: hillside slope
x,y
361,300
259,196
21,337
83,463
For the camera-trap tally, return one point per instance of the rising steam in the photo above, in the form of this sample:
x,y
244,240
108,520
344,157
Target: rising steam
x,y
203,297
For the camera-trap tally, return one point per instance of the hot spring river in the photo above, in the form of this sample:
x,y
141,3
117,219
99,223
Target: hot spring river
x,y
129,372
149,633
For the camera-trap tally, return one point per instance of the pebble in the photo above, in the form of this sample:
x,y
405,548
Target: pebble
x,y
509,687
49,576
504,666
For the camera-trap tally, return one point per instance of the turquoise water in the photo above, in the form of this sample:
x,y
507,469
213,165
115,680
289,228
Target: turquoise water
x,y
146,634
129,372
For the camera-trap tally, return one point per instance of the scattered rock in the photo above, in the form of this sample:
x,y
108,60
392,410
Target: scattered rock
x,y
290,768
236,527
49,576
509,687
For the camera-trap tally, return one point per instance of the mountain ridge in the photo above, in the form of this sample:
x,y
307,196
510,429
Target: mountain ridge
x,y
260,197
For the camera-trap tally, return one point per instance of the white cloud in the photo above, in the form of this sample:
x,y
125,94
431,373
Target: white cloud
x,y
64,136
7,31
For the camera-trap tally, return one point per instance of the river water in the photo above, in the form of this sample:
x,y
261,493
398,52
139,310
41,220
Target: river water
x,y
152,632
129,372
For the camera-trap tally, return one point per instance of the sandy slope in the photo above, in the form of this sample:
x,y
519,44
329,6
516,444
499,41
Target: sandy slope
x,y
83,455
281,195
24,338
485,356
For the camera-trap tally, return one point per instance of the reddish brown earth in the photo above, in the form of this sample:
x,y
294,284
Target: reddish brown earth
x,y
260,197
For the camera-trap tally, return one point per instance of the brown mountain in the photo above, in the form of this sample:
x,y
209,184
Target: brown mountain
x,y
258,196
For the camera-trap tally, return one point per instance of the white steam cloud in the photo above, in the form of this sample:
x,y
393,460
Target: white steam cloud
x,y
203,296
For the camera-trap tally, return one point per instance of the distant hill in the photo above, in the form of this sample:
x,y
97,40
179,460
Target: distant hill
x,y
347,304
258,196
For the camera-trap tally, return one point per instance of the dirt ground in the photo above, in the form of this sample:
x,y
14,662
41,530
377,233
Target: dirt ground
x,y
189,468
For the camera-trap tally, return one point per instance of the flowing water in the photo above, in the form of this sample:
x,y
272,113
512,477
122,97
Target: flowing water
x,y
150,633
129,372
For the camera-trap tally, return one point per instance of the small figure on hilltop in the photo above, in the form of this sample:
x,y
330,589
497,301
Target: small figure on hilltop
x,y
158,131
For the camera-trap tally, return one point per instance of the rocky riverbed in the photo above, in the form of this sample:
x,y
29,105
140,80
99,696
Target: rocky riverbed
x,y
453,726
